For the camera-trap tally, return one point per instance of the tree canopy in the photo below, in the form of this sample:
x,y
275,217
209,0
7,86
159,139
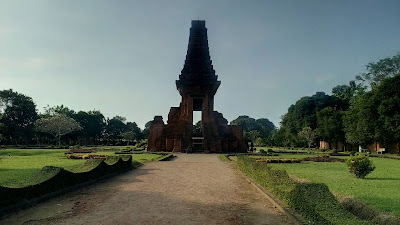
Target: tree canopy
x,y
58,126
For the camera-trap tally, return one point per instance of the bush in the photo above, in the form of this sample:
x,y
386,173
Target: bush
x,y
360,165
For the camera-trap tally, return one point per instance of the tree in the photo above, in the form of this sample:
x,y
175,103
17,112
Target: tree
x,y
58,109
246,122
19,115
330,125
346,93
360,121
146,130
132,126
93,124
304,114
386,98
197,129
252,135
379,71
308,135
266,127
263,126
129,136
58,126
115,127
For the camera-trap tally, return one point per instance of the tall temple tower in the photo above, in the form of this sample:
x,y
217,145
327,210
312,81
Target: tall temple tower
x,y
197,85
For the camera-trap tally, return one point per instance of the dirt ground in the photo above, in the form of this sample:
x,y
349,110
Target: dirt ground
x,y
191,189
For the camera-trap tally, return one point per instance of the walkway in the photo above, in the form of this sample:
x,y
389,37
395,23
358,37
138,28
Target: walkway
x,y
191,189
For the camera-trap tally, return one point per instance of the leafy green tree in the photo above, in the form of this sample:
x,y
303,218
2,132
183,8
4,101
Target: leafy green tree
x,y
252,135
330,125
360,120
304,114
246,122
58,109
93,124
386,98
58,126
263,126
115,127
132,126
129,136
197,129
308,135
266,127
345,94
379,71
146,130
19,115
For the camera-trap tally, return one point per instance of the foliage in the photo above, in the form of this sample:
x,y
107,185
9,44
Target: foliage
x,y
224,158
315,202
304,114
197,132
346,93
277,160
146,129
58,109
379,71
58,126
360,165
115,127
308,135
133,127
18,115
129,136
252,135
330,125
375,115
253,129
92,122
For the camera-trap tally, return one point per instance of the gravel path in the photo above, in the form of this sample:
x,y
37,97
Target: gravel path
x,y
191,189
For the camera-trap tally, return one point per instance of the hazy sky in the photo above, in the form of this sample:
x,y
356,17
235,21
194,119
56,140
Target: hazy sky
x,y
123,57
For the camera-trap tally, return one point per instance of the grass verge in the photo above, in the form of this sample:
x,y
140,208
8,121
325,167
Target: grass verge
x,y
314,201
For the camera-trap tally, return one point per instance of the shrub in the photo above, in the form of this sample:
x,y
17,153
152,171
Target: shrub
x,y
360,165
224,158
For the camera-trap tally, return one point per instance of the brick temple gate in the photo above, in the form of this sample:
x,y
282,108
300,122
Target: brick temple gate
x,y
197,85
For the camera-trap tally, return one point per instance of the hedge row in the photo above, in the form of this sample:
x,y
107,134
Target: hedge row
x,y
224,158
62,179
278,160
314,201
165,157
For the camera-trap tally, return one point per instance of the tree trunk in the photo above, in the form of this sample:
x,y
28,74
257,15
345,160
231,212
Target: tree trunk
x,y
59,141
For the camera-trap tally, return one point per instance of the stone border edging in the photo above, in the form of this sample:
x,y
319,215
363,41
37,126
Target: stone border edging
x,y
292,215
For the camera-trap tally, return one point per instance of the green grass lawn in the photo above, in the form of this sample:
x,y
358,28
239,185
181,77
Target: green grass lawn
x,y
380,188
280,155
20,167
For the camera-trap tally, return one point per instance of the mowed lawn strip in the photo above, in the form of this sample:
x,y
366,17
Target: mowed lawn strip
x,y
20,167
280,156
380,188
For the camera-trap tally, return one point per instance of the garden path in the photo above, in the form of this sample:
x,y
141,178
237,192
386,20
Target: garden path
x,y
191,189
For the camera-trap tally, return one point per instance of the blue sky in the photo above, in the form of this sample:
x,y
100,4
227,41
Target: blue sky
x,y
123,57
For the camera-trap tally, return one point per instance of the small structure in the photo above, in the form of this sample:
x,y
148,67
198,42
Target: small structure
x,y
197,85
